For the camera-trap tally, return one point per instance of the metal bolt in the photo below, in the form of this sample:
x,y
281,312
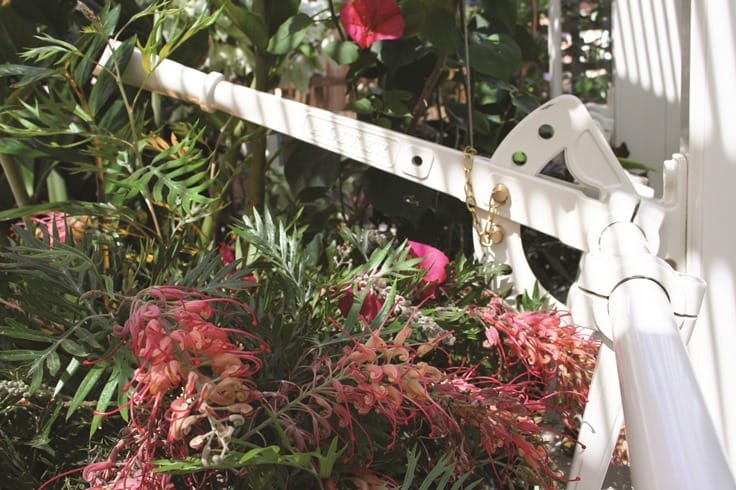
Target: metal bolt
x,y
500,194
497,235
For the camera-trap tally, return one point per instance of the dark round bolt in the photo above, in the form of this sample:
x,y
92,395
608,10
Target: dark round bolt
x,y
546,131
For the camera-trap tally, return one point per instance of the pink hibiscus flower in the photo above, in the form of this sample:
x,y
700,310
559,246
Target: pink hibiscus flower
x,y
368,21
434,262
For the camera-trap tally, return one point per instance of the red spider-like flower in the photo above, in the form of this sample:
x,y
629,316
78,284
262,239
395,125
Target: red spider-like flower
x,y
368,21
193,375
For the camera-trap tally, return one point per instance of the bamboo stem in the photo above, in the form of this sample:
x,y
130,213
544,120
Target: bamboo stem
x,y
15,181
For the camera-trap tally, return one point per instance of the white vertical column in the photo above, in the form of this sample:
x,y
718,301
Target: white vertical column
x,y
711,236
554,47
647,58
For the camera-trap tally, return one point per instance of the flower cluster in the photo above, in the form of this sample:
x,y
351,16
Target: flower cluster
x,y
543,349
374,293
190,390
366,397
379,396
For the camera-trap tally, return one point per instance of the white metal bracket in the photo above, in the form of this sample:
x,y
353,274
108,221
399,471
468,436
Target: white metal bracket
x,y
574,213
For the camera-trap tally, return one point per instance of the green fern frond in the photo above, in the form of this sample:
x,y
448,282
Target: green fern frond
x,y
278,247
177,176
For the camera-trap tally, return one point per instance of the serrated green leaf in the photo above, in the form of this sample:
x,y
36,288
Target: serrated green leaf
x,y
524,103
439,29
361,106
496,55
251,24
415,14
502,11
87,384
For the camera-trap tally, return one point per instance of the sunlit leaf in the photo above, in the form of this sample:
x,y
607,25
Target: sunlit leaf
x,y
103,401
342,52
85,386
289,35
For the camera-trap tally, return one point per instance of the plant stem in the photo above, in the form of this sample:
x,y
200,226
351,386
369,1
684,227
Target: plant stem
x,y
258,162
15,181
333,16
429,85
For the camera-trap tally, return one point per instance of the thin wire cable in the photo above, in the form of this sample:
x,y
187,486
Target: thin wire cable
x,y
468,78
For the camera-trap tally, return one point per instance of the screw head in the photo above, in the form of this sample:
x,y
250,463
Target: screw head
x,y
500,194
497,235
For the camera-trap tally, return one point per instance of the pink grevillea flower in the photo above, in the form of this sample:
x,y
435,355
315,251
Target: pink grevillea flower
x,y
192,378
541,348
58,226
434,262
368,21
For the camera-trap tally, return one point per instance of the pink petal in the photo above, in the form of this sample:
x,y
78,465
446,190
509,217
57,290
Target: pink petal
x,y
434,261
368,21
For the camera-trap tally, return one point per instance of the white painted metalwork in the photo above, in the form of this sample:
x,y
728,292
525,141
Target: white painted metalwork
x,y
711,234
646,96
624,290
554,46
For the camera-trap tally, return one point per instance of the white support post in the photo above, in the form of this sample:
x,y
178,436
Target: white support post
x,y
672,440
601,426
711,234
647,79
554,47
636,297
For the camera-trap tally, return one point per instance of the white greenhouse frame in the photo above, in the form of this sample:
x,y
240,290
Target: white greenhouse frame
x,y
677,401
